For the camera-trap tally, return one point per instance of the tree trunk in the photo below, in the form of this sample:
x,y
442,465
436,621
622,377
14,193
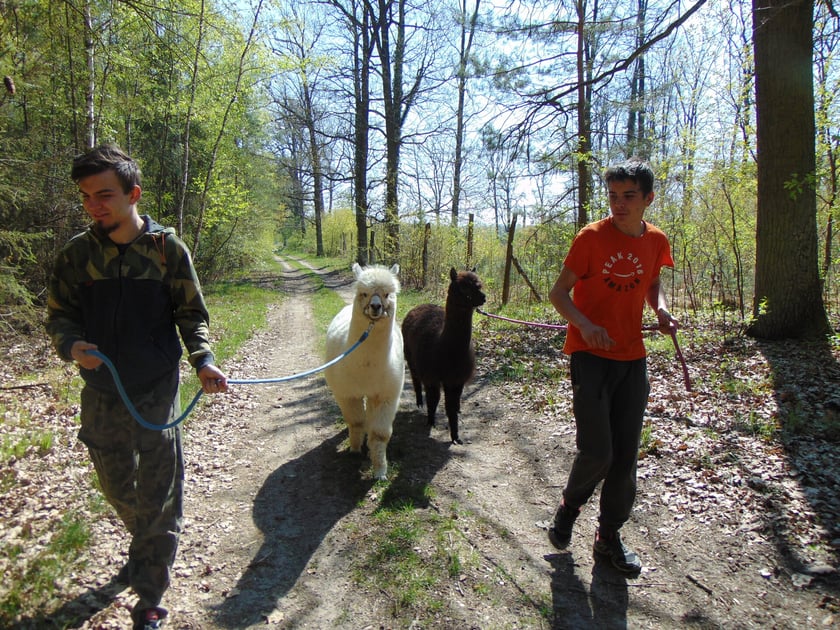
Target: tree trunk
x,y
185,164
466,44
397,100
90,54
584,117
317,174
636,144
361,89
534,292
391,69
788,300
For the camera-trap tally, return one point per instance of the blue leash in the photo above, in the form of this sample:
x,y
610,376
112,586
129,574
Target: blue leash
x,y
252,381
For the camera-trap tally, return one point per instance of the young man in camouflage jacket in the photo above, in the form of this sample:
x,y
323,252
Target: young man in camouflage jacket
x,y
123,287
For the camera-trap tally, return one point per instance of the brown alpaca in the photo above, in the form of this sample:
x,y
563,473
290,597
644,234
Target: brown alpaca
x,y
439,349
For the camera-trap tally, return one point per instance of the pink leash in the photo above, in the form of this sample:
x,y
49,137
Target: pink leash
x,y
519,321
673,333
686,378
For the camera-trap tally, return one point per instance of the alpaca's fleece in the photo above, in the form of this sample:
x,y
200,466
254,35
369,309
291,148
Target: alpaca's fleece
x,y
439,348
368,382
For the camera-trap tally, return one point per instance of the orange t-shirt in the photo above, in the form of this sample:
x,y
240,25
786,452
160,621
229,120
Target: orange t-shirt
x,y
614,273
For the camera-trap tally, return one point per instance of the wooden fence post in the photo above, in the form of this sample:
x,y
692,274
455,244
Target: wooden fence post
x,y
470,227
508,261
427,235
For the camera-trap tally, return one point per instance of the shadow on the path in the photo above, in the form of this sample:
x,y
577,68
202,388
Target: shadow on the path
x,y
810,431
298,280
301,501
297,505
78,611
414,458
602,605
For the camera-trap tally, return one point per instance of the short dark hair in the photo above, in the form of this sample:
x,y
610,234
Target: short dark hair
x,y
103,158
633,168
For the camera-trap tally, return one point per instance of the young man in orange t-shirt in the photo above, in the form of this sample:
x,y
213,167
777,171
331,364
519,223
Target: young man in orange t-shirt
x,y
611,270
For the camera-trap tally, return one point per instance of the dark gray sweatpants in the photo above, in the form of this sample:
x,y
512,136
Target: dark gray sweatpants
x,y
609,401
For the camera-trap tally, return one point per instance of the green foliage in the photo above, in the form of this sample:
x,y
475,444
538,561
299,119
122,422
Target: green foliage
x,y
180,85
712,232
339,234
447,248
17,257
159,97
797,184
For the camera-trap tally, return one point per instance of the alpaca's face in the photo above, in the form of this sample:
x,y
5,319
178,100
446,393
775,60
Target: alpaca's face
x,y
466,287
376,302
376,291
376,294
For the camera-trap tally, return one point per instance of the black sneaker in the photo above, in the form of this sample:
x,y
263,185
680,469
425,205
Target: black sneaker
x,y
151,619
611,548
560,534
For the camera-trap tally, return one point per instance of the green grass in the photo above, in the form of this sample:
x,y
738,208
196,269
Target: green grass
x,y
415,557
403,561
647,443
755,425
29,586
31,439
407,300
12,448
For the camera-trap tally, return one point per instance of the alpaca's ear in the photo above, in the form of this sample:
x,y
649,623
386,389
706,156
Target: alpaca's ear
x,y
357,270
452,274
395,269
473,269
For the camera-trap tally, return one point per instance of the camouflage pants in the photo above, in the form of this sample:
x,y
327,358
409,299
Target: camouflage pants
x,y
141,473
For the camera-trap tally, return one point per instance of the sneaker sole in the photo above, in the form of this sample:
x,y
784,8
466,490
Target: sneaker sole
x,y
619,566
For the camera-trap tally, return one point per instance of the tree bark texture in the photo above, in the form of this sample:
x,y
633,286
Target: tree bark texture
x,y
788,298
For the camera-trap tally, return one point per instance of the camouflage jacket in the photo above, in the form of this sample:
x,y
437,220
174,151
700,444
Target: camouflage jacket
x,y
129,303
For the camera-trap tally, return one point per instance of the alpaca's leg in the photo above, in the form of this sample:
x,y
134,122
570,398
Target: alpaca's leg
x,y
452,403
380,426
432,401
353,410
417,384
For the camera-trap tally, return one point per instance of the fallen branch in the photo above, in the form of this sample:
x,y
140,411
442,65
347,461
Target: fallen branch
x,y
697,583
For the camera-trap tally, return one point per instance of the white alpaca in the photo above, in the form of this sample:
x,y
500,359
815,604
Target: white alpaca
x,y
368,382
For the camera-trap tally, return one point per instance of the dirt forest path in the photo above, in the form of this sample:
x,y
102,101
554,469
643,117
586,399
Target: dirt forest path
x,y
273,499
276,510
